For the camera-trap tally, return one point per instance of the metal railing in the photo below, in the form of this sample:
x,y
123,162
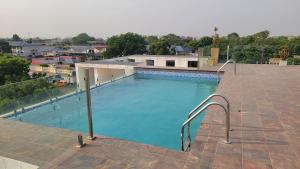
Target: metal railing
x,y
89,104
198,106
229,61
196,114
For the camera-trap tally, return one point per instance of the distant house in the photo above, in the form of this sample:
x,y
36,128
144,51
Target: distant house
x,y
69,59
100,48
93,52
80,50
31,50
56,60
88,49
65,72
43,61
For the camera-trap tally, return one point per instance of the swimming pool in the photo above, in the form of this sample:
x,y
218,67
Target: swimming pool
x,y
148,107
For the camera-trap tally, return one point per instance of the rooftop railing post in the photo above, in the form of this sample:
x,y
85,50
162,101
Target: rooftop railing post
x,y
88,104
234,67
228,52
80,141
218,71
227,141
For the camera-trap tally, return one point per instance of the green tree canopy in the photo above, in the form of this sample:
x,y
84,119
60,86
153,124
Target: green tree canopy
x,y
16,37
82,39
13,69
172,39
296,50
160,47
4,46
205,41
233,35
151,39
125,44
193,44
262,35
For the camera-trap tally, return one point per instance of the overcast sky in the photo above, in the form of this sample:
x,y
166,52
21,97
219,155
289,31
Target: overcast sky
x,y
103,18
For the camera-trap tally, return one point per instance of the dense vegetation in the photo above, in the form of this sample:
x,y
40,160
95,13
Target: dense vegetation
x,y
82,39
16,69
4,46
13,69
125,44
14,96
258,47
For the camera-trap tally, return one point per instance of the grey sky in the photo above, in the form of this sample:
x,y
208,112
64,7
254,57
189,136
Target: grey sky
x,y
103,18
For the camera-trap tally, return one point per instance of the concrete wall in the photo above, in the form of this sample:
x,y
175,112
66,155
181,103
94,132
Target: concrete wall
x,y
100,73
111,69
160,61
105,74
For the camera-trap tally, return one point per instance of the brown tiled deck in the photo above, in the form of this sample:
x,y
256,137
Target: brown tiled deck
x,y
265,119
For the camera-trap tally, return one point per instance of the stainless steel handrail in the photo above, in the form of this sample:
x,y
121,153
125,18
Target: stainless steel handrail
x,y
218,71
201,104
198,113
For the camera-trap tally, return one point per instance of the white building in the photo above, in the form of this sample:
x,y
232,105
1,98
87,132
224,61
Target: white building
x,y
176,61
111,69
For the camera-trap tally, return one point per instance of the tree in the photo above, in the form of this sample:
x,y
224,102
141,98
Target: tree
x,y
32,91
276,41
13,69
193,44
246,54
160,47
283,53
66,42
296,50
233,35
4,47
82,39
269,51
151,39
172,39
294,41
247,40
125,44
16,38
215,30
205,41
262,35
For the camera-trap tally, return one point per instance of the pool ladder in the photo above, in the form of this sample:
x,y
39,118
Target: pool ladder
x,y
196,112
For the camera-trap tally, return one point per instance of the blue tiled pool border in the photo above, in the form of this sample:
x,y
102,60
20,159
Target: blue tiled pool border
x,y
178,73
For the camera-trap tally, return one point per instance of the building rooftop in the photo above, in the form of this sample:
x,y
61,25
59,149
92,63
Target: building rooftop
x,y
264,118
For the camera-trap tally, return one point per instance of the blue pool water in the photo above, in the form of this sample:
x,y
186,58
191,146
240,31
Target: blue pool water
x,y
145,108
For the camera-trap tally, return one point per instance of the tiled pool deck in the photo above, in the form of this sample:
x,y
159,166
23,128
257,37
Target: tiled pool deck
x,y
265,118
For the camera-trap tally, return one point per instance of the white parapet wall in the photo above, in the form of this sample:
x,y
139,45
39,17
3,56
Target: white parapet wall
x,y
181,61
102,72
111,69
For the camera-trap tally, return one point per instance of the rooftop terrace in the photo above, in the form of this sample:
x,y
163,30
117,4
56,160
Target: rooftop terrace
x,y
265,121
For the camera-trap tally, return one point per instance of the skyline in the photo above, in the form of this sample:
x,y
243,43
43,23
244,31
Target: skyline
x,y
102,19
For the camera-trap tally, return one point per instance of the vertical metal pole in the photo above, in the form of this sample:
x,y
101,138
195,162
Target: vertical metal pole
x,y
228,52
234,67
88,104
227,141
